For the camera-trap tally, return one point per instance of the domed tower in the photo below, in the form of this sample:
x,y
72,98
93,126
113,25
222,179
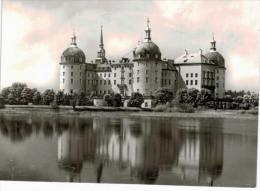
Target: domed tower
x,y
147,65
214,56
72,67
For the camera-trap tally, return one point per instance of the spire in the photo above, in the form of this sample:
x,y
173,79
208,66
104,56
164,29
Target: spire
x,y
73,40
101,37
147,31
213,43
101,52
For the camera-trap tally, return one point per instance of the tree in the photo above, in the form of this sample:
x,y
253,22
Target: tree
x,y
163,96
37,98
59,98
48,96
135,100
81,99
27,96
108,99
116,100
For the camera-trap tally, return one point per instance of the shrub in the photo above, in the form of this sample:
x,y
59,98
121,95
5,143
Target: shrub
x,y
163,96
135,100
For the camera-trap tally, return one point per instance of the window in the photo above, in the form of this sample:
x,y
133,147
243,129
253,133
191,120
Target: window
x,y
187,75
71,67
138,79
108,82
146,71
108,91
80,81
217,78
196,75
114,74
156,72
71,73
114,82
156,80
88,81
71,91
109,75
100,82
169,82
147,80
196,82
71,81
100,74
130,74
80,73
137,71
191,82
105,82
191,75
63,80
63,74
63,66
105,75
137,90
217,85
105,91
130,82
187,82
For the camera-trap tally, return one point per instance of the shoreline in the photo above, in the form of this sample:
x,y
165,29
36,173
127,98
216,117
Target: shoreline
x,y
126,112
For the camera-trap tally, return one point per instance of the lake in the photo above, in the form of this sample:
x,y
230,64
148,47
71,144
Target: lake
x,y
38,146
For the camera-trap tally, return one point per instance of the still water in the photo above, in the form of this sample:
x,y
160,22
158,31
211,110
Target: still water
x,y
140,150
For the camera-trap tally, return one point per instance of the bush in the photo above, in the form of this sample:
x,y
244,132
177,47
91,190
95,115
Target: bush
x,y
135,100
163,96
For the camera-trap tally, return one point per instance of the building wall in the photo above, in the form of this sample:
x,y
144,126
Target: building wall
x,y
72,78
190,76
147,76
220,82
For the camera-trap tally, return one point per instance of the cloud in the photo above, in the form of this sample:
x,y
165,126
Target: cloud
x,y
35,33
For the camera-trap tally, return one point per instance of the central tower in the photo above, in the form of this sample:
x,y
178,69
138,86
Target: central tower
x,y
147,65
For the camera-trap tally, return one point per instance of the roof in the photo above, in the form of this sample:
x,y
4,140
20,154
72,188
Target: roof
x,y
191,58
216,57
145,48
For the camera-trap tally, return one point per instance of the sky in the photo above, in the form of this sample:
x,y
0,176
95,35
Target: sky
x,y
35,33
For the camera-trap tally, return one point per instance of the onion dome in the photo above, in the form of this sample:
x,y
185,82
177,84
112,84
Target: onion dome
x,y
147,49
73,54
214,55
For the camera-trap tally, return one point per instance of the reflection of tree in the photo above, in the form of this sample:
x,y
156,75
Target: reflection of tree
x,y
15,128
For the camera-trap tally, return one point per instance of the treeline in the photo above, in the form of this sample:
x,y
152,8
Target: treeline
x,y
188,99
21,94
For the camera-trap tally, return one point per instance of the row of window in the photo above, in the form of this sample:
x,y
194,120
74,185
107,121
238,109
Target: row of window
x,y
191,75
207,74
71,67
71,81
191,82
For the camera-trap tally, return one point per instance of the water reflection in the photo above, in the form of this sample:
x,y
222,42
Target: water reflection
x,y
143,147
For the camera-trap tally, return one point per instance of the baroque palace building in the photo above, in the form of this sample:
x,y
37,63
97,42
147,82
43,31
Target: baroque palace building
x,y
145,73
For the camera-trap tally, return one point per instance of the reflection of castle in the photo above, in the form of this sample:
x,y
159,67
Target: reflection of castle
x,y
142,148
201,155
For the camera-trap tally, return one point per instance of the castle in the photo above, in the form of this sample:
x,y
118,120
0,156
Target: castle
x,y
145,73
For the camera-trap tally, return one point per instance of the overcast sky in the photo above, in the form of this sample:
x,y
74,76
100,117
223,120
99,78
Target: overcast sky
x,y
35,33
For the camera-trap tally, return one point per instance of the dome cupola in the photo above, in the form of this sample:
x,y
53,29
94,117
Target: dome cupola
x,y
147,49
214,56
73,54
